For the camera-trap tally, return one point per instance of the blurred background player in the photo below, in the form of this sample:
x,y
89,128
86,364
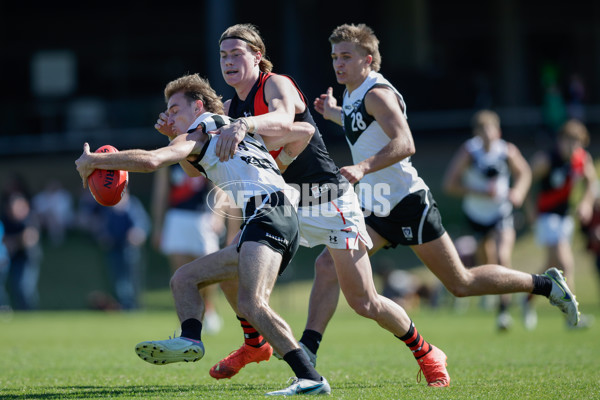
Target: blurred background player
x,y
491,176
121,232
21,238
557,171
185,227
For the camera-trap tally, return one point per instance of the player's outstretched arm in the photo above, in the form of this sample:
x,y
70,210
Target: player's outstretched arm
x,y
135,160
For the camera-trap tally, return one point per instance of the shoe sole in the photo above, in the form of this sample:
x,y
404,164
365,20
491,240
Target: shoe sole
x,y
157,354
560,280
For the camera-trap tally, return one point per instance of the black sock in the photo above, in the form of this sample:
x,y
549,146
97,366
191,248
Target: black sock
x,y
541,285
191,329
299,363
311,339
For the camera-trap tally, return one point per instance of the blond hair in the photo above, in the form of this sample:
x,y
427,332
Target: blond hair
x,y
576,130
485,117
249,34
195,88
363,37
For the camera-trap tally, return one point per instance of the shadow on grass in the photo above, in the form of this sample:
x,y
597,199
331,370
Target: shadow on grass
x,y
154,391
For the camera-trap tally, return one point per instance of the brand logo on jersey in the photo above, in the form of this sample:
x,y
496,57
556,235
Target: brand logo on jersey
x,y
260,163
407,231
247,114
317,191
333,239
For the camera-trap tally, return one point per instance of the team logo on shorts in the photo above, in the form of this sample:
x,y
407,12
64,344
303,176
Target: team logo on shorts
x,y
407,231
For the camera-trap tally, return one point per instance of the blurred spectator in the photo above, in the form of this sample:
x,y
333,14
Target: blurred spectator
x,y
491,176
53,207
558,170
554,109
4,265
576,98
121,231
185,227
21,238
403,287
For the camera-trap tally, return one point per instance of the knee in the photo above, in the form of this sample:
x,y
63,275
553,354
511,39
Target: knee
x,y
325,268
181,280
249,306
177,281
460,286
364,307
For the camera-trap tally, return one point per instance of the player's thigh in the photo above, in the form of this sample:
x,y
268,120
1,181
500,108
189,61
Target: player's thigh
x,y
212,268
257,271
441,257
354,272
378,241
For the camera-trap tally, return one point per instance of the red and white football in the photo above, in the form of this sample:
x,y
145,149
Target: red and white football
x,y
108,186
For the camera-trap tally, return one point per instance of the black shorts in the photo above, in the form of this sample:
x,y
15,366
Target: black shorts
x,y
271,220
482,230
415,220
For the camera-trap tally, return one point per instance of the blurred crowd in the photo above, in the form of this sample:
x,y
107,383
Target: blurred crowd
x,y
482,174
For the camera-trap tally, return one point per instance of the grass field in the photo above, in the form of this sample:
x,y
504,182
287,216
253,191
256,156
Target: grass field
x,y
89,355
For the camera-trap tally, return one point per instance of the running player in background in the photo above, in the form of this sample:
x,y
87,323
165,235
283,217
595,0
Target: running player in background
x,y
556,171
373,115
491,176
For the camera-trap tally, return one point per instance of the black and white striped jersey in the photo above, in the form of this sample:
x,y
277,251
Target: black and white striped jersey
x,y
251,172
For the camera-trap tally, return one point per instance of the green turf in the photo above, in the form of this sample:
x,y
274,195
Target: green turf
x,y
77,355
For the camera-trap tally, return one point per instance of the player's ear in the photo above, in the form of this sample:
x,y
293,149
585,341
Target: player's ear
x,y
257,57
369,59
198,107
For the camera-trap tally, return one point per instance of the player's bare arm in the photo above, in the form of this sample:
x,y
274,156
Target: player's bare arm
x,y
452,183
326,105
586,205
137,160
383,105
284,102
521,176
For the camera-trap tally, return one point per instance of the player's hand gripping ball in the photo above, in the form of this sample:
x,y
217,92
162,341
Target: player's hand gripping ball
x,y
108,186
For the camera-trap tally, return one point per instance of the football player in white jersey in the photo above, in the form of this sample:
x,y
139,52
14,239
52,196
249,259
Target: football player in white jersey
x,y
373,116
338,223
491,176
269,236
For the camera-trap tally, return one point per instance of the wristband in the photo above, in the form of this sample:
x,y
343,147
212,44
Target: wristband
x,y
285,158
249,123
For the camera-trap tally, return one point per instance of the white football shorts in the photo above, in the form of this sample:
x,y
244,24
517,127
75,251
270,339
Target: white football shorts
x,y
188,232
553,228
338,224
